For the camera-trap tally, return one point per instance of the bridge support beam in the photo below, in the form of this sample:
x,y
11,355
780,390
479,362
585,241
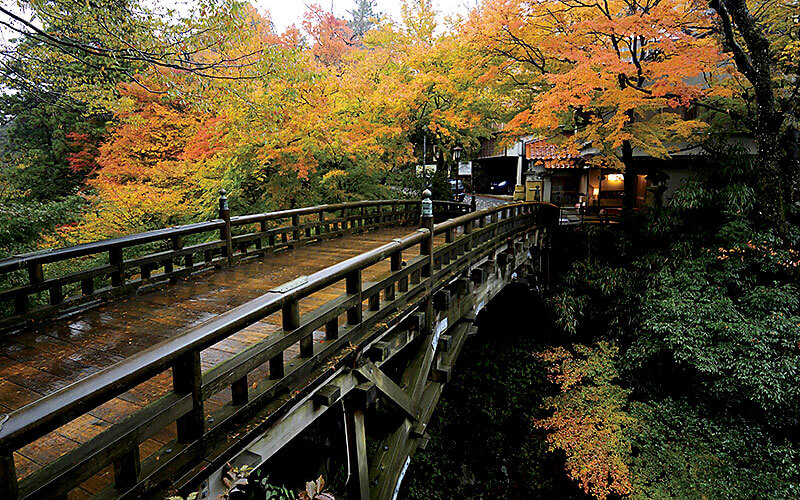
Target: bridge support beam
x,y
357,452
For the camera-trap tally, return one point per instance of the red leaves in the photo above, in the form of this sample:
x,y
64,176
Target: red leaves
x,y
589,418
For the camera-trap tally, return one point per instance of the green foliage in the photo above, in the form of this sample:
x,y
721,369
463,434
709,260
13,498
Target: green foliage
x,y
707,320
682,450
362,17
21,223
38,146
587,284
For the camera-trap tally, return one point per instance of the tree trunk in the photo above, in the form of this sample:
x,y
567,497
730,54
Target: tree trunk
x,y
755,62
629,177
770,179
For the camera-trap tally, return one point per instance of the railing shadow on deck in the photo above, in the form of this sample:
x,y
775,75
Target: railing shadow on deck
x,y
403,289
52,286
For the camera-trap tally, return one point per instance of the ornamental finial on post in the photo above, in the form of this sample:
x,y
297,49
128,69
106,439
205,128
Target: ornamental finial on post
x,y
427,204
223,200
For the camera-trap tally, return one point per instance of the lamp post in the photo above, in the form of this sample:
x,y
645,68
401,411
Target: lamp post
x,y
456,158
600,179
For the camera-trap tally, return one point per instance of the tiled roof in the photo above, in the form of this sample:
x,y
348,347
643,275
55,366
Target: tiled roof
x,y
552,155
556,163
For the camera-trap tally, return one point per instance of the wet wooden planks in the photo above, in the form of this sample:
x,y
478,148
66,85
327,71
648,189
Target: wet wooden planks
x,y
52,355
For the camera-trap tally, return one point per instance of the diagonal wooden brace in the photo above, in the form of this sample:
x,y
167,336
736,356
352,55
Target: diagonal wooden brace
x,y
391,390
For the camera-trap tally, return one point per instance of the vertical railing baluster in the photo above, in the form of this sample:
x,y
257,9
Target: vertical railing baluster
x,y
449,254
263,227
9,488
127,469
115,260
168,269
332,329
396,263
35,272
188,261
468,246
35,275
87,286
56,294
353,287
290,316
295,227
186,379
21,303
225,231
239,391
375,302
259,242
321,228
177,244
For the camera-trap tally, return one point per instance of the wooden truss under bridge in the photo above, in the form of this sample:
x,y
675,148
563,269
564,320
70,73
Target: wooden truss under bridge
x,y
420,309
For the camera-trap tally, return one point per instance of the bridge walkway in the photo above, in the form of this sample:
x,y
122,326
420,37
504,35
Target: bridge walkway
x,y
50,356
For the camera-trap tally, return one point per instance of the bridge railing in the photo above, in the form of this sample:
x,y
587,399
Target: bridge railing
x,y
119,266
469,237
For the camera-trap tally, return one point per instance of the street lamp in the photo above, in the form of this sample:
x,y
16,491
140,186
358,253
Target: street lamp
x,y
457,156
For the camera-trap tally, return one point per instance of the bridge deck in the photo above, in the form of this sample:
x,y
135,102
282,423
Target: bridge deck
x,y
52,355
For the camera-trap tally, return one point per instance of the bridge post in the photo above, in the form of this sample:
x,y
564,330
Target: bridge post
x,y
353,287
187,379
396,265
357,451
426,222
225,231
115,259
295,227
426,248
321,228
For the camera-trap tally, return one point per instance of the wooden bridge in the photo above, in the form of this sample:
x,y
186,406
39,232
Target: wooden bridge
x,y
169,354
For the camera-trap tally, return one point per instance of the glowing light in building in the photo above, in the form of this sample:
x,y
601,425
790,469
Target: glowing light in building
x,y
615,177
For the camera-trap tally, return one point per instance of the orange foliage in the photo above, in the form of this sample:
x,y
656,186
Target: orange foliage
x,y
589,420
615,70
149,169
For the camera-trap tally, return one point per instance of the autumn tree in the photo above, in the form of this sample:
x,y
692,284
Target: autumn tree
x,y
128,37
589,418
617,72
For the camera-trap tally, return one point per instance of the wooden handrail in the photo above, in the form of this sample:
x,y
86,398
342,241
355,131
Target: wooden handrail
x,y
119,276
35,420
